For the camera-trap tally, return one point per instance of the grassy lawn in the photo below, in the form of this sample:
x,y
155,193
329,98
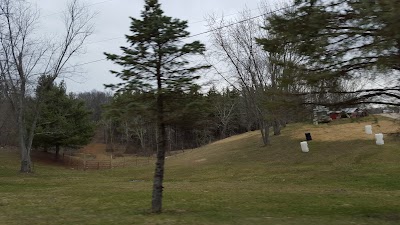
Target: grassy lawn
x,y
344,179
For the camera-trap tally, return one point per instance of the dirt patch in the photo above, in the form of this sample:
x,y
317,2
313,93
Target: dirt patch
x,y
94,148
236,137
46,158
200,160
97,149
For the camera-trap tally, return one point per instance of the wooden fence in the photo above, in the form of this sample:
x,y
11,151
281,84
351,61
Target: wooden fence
x,y
97,164
85,162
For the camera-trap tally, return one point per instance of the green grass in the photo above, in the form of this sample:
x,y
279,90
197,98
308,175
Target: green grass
x,y
235,181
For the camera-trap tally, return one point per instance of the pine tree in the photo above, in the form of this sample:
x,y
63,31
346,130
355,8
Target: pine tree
x,y
339,40
157,62
64,121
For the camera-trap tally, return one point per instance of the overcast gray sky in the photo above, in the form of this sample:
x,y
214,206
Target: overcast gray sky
x,y
112,23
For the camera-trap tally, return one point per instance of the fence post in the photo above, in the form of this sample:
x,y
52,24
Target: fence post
x,y
111,157
98,165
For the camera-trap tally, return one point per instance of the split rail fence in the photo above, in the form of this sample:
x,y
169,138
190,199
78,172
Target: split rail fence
x,y
86,162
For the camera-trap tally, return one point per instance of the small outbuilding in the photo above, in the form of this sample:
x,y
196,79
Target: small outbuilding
x,y
321,115
334,115
353,113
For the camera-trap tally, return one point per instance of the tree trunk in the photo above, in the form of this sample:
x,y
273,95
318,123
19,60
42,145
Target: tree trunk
x,y
159,173
223,131
156,203
26,163
57,151
283,123
277,127
264,127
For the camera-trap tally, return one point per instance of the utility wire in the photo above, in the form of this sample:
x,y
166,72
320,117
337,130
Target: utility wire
x,y
238,22
221,73
198,34
199,21
204,20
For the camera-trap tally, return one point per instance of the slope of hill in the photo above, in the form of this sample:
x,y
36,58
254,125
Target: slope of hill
x,y
344,179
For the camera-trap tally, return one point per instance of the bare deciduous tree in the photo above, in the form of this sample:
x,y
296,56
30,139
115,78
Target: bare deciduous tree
x,y
24,57
262,76
236,45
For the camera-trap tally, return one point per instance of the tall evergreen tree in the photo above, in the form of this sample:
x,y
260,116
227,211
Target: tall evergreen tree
x,y
339,40
64,121
157,62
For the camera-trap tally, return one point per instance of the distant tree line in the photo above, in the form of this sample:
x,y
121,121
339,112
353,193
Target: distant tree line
x,y
123,123
192,119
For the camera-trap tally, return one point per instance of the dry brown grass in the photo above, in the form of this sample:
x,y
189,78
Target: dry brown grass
x,y
345,131
331,141
236,138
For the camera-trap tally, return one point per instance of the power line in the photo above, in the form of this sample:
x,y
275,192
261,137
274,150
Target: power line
x,y
195,35
199,21
222,27
204,20
238,22
198,34
105,40
86,63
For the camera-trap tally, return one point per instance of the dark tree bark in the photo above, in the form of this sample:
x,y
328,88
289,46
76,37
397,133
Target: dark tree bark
x,y
156,55
57,151
156,203
277,127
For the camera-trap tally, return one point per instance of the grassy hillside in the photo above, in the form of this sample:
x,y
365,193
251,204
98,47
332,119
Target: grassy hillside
x,y
344,179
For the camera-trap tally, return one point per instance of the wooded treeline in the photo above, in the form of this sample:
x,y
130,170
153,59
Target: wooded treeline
x,y
197,119
125,122
273,78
